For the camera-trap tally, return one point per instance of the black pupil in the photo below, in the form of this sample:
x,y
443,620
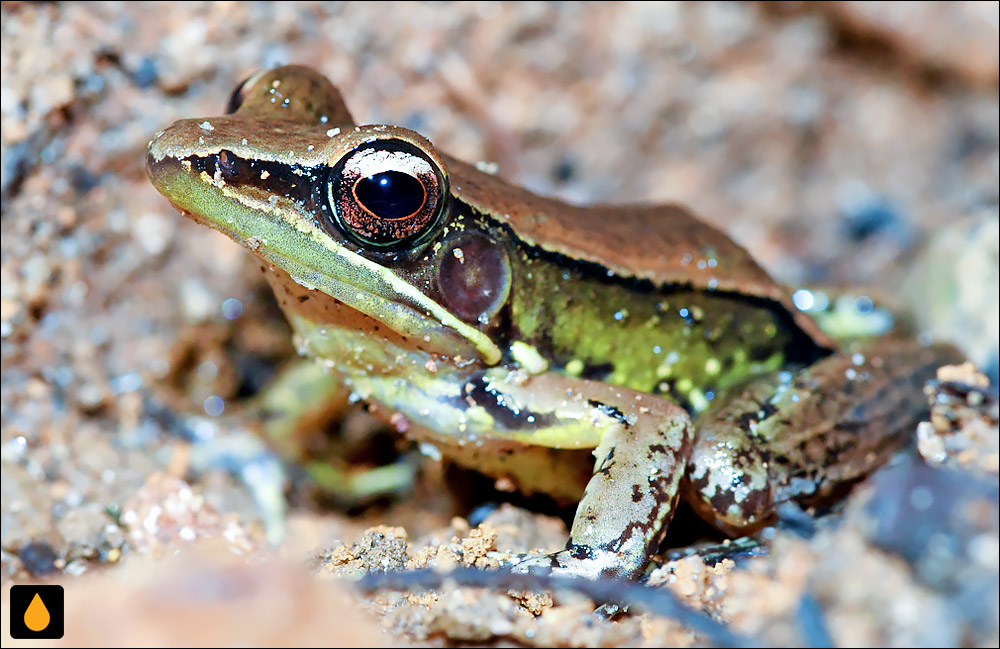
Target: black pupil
x,y
390,194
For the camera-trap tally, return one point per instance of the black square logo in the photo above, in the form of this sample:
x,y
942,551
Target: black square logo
x,y
36,612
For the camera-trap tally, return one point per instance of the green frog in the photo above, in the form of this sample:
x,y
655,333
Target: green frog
x,y
620,357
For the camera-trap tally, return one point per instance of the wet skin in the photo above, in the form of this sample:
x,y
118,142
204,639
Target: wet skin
x,y
615,356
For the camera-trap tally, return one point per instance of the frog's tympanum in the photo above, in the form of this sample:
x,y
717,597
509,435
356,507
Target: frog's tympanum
x,y
615,356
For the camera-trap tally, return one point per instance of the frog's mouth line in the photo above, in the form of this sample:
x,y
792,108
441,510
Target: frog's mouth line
x,y
280,232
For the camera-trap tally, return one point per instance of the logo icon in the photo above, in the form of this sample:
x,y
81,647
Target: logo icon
x,y
36,612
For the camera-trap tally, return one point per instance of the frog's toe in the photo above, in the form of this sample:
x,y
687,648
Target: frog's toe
x,y
577,561
354,487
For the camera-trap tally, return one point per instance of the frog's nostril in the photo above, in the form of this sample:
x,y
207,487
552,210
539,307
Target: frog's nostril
x,y
228,164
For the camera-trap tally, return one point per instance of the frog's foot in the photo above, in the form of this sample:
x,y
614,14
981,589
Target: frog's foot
x,y
244,455
579,561
575,561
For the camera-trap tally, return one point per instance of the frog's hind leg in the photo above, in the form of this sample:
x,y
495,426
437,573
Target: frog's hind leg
x,y
804,436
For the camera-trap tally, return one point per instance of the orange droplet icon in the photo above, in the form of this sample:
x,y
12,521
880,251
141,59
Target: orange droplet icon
x,y
36,617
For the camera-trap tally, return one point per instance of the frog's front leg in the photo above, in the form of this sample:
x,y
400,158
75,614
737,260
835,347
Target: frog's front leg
x,y
806,435
641,444
644,442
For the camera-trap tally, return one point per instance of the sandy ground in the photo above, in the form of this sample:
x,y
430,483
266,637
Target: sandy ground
x,y
850,144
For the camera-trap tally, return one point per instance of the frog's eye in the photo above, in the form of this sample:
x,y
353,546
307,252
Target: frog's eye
x,y
387,194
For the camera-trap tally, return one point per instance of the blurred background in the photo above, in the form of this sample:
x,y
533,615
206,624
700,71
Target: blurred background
x,y
850,144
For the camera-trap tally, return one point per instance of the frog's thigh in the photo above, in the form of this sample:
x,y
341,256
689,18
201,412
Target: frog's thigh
x,y
802,435
640,459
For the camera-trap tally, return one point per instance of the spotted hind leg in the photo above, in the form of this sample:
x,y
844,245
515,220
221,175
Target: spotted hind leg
x,y
804,436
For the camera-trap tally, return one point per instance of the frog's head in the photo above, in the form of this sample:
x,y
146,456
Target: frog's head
x,y
360,216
